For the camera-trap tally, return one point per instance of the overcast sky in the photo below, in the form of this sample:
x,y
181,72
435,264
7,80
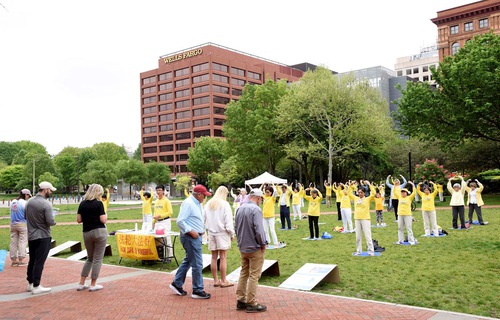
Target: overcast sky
x,y
69,70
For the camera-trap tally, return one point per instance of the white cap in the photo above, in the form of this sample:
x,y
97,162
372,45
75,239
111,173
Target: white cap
x,y
26,191
47,185
256,193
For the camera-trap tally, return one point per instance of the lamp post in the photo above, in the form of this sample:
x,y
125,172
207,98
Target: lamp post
x,y
33,174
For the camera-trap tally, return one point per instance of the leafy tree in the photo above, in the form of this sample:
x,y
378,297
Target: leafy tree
x,y
182,182
466,104
9,150
37,164
10,176
132,171
109,152
332,117
137,153
47,176
431,170
206,157
158,173
251,127
101,172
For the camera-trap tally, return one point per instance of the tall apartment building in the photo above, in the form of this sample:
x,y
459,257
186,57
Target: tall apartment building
x,y
418,66
458,25
185,97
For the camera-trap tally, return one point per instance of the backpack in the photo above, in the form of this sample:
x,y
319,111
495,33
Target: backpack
x,y
377,247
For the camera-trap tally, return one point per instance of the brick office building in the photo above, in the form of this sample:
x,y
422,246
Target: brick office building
x,y
186,96
460,24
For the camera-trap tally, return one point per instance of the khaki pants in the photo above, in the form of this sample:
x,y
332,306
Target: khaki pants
x,y
18,241
363,227
251,269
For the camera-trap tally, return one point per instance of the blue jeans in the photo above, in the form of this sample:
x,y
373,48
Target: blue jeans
x,y
193,260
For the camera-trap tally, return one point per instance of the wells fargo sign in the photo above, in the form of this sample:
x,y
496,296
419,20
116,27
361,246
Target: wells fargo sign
x,y
184,55
135,246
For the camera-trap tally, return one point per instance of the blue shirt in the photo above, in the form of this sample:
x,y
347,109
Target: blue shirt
x,y
190,216
17,211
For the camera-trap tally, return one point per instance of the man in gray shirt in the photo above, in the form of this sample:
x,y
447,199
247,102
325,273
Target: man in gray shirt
x,y
252,244
39,218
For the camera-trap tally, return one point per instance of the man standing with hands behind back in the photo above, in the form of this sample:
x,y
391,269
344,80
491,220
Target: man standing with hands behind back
x,y
252,244
39,218
191,227
162,213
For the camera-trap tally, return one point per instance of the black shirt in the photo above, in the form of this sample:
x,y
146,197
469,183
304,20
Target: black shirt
x,y
91,210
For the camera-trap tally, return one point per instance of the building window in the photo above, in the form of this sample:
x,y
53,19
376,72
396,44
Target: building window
x,y
224,90
149,80
425,68
201,78
219,110
149,100
183,125
253,75
200,67
408,71
400,73
453,29
218,122
483,23
149,120
426,78
149,110
183,135
219,78
182,93
166,127
148,90
182,104
150,150
168,158
220,100
165,86
165,76
238,72
182,146
183,114
415,70
181,83
167,148
182,72
166,117
201,123
236,92
166,137
149,130
165,96
202,100
238,82
454,48
182,157
149,140
202,89
218,133
201,133
149,159
468,26
220,67
165,107
201,112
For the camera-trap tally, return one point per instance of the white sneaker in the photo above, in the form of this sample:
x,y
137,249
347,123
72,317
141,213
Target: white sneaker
x,y
29,288
82,287
40,289
95,288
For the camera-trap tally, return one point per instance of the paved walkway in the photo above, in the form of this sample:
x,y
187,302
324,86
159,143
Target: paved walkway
x,y
142,294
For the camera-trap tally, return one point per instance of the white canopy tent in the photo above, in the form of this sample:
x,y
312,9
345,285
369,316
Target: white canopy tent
x,y
266,177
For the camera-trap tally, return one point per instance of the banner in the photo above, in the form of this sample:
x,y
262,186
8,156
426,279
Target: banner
x,y
135,246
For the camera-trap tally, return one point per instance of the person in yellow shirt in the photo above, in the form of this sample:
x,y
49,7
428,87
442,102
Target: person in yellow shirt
x,y
328,194
313,211
428,208
147,205
440,192
379,205
105,198
345,206
339,193
405,218
284,193
162,214
475,201
268,213
298,193
362,218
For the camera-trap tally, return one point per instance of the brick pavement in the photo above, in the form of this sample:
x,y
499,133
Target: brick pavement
x,y
131,293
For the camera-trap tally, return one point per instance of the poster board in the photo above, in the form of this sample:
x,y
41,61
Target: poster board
x,y
136,246
310,274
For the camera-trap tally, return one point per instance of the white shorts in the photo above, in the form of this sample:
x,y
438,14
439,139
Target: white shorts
x,y
219,242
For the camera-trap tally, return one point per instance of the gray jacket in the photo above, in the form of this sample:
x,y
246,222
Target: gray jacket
x,y
39,217
249,228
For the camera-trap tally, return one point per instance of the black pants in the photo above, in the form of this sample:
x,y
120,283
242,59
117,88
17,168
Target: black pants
x,y
458,211
285,215
313,226
395,204
39,250
339,215
472,207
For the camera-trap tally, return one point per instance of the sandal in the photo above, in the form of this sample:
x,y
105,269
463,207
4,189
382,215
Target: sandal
x,y
226,284
218,284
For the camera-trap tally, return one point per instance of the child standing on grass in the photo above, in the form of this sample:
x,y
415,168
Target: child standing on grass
x,y
379,205
313,211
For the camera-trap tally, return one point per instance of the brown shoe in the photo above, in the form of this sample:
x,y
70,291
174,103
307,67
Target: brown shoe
x,y
256,308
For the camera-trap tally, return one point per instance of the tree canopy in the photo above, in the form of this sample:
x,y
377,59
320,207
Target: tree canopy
x,y
466,103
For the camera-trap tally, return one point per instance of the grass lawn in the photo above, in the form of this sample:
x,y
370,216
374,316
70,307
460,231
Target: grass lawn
x,y
456,273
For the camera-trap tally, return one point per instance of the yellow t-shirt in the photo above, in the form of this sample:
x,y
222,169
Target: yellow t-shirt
x,y
314,204
428,200
268,206
147,204
105,202
163,207
297,195
404,208
328,191
362,206
379,203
